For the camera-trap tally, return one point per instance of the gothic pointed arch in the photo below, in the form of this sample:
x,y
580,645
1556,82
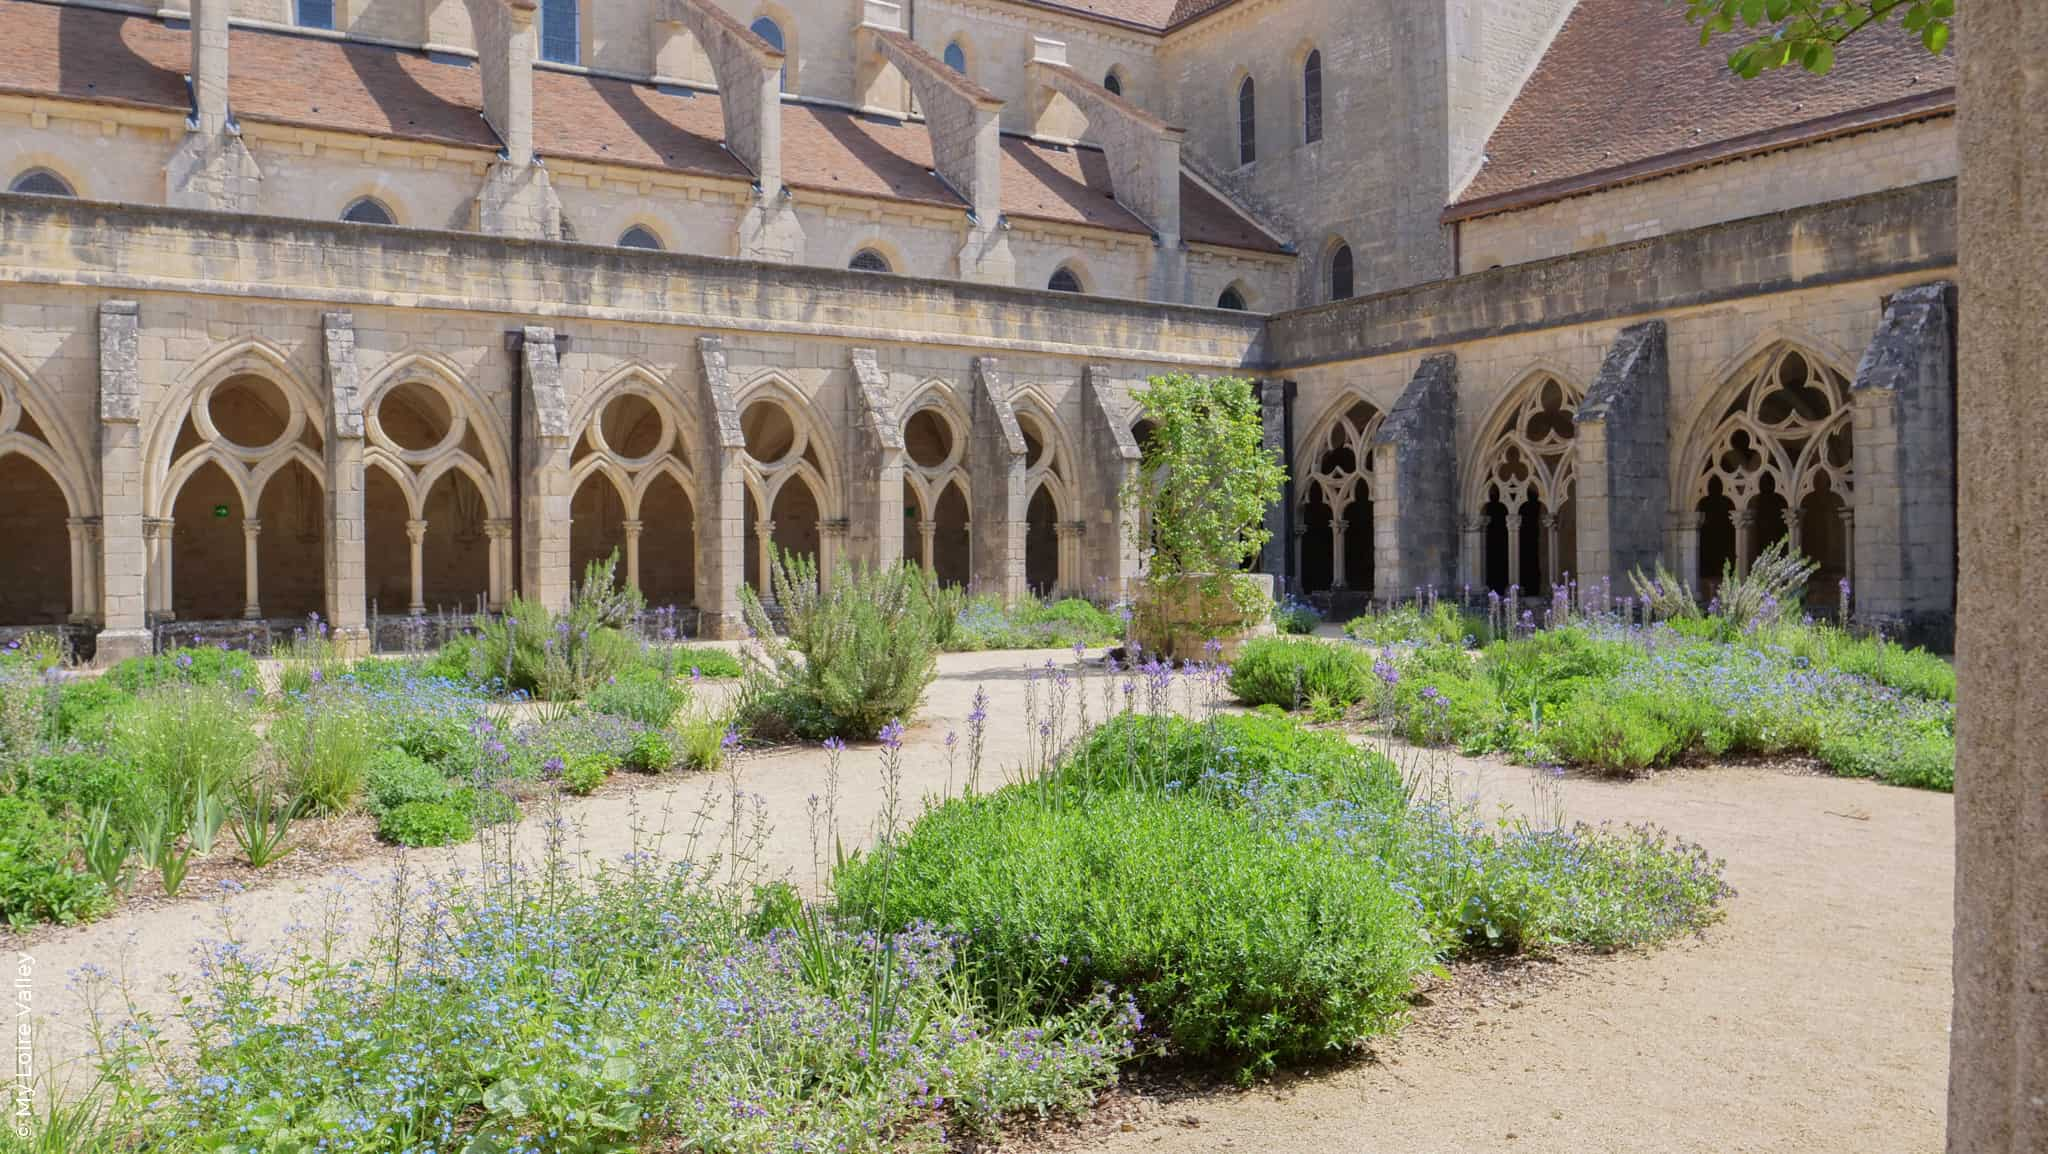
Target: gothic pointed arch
x,y
1333,536
1773,457
40,518
1522,481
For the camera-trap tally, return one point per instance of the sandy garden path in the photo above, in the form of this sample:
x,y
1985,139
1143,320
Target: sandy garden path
x,y
1814,1019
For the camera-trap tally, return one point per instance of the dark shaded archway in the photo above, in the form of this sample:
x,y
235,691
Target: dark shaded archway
x,y
37,589
668,545
1042,543
455,568
291,550
387,551
208,582
597,519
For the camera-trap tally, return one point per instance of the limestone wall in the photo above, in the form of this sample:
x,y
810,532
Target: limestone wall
x,y
1838,169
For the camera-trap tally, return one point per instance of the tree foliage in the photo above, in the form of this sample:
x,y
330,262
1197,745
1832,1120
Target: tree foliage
x,y
1806,32
1208,476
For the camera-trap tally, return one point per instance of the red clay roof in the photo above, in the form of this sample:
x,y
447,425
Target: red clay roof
x,y
1158,15
1626,92
107,57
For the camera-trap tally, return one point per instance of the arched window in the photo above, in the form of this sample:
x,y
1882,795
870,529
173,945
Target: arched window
x,y
770,31
1231,299
956,57
316,14
561,31
41,182
1064,281
1312,97
368,210
1341,273
640,236
868,260
1247,122
1113,82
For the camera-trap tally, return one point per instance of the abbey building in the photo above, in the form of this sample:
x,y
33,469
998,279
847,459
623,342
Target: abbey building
x,y
383,308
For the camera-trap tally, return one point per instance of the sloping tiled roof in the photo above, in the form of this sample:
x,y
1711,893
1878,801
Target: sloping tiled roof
x,y
1626,92
107,57
1158,15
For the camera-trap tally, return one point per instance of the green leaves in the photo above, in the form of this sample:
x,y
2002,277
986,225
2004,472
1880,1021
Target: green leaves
x,y
1807,32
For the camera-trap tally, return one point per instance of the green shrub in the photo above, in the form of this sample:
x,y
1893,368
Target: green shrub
x,y
1441,624
1544,670
395,778
1296,618
485,806
859,653
1920,756
530,650
196,666
983,622
37,882
181,736
583,772
325,741
1239,946
653,751
1619,735
425,823
704,662
88,709
639,694
74,783
1230,755
701,741
1288,671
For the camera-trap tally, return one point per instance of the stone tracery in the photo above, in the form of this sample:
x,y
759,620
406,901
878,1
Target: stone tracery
x,y
1521,499
936,486
1778,462
1333,532
43,520
787,470
635,490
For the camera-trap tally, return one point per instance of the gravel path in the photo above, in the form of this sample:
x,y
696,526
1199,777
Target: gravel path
x,y
1814,1019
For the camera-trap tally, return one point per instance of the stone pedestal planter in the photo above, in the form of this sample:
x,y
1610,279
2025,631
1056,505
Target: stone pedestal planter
x,y
1180,618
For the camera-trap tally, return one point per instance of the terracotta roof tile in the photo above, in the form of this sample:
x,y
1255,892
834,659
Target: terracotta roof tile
x,y
588,118
107,57
1159,15
89,54
1626,90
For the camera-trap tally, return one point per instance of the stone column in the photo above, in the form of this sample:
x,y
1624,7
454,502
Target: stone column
x,y
1904,404
157,533
1998,1060
764,545
1472,551
1069,536
546,491
1791,516
1338,527
1549,520
1515,548
996,462
1622,447
124,564
874,475
499,531
832,547
1111,460
416,533
1745,521
252,602
1849,572
348,593
1686,548
927,533
721,526
79,532
1300,535
632,532
1415,462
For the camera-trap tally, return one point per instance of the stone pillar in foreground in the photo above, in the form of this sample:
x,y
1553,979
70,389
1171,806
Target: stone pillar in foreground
x,y
996,468
1902,535
1415,486
1624,460
722,496
124,563
874,451
1112,460
347,581
1998,1061
544,572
